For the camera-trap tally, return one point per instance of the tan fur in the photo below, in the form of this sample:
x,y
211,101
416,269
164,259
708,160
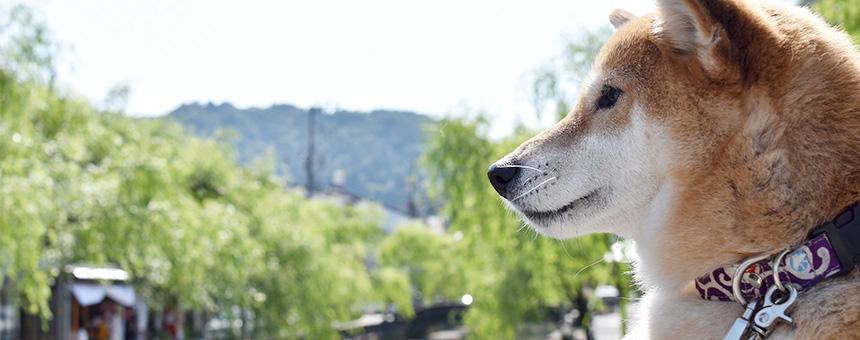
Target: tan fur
x,y
761,105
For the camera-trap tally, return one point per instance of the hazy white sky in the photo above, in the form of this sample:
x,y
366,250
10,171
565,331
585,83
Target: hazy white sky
x,y
428,56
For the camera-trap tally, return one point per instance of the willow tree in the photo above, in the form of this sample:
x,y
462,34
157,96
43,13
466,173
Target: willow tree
x,y
192,228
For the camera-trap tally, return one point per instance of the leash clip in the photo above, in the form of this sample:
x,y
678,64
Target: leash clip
x,y
771,312
760,316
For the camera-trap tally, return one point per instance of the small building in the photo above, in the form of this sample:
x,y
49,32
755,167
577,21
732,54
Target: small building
x,y
84,299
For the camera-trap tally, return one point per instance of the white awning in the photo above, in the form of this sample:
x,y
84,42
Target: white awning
x,y
89,294
93,273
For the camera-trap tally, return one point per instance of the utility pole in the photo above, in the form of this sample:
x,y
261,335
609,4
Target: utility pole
x,y
309,162
412,193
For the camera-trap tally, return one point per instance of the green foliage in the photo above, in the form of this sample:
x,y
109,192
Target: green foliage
x,y
428,260
190,226
843,13
395,288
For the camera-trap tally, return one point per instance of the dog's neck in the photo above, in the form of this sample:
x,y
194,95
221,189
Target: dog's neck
x,y
677,243
651,262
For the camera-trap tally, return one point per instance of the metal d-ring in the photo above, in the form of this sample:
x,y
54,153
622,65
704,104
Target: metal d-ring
x,y
776,279
736,280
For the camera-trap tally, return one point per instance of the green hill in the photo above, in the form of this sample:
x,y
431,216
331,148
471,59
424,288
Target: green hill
x,y
374,153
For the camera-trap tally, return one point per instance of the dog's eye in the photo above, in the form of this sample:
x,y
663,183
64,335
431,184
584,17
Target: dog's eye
x,y
608,96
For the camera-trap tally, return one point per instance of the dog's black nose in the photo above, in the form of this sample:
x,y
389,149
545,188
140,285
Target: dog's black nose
x,y
501,177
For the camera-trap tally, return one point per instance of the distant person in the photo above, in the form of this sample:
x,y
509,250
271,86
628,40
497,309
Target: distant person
x,y
171,321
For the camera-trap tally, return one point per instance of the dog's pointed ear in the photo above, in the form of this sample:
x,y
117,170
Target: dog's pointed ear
x,y
619,17
696,28
724,35
686,25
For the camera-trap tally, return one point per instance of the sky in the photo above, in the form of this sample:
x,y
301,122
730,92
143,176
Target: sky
x,y
441,57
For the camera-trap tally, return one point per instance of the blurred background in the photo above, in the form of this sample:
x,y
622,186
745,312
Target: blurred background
x,y
293,170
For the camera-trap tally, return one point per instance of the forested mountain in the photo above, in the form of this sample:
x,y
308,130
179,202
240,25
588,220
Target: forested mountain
x,y
371,155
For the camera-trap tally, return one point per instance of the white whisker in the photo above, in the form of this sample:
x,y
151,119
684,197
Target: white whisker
x,y
533,189
521,228
586,267
565,248
522,166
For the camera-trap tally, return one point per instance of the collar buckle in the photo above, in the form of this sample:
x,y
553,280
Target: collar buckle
x,y
844,235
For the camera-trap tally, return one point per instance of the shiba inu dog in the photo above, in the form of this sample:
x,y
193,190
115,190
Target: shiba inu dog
x,y
710,132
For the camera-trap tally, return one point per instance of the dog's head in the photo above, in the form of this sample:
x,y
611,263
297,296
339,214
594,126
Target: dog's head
x,y
697,96
586,173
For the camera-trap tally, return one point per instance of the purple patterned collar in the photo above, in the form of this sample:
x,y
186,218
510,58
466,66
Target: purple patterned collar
x,y
830,251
